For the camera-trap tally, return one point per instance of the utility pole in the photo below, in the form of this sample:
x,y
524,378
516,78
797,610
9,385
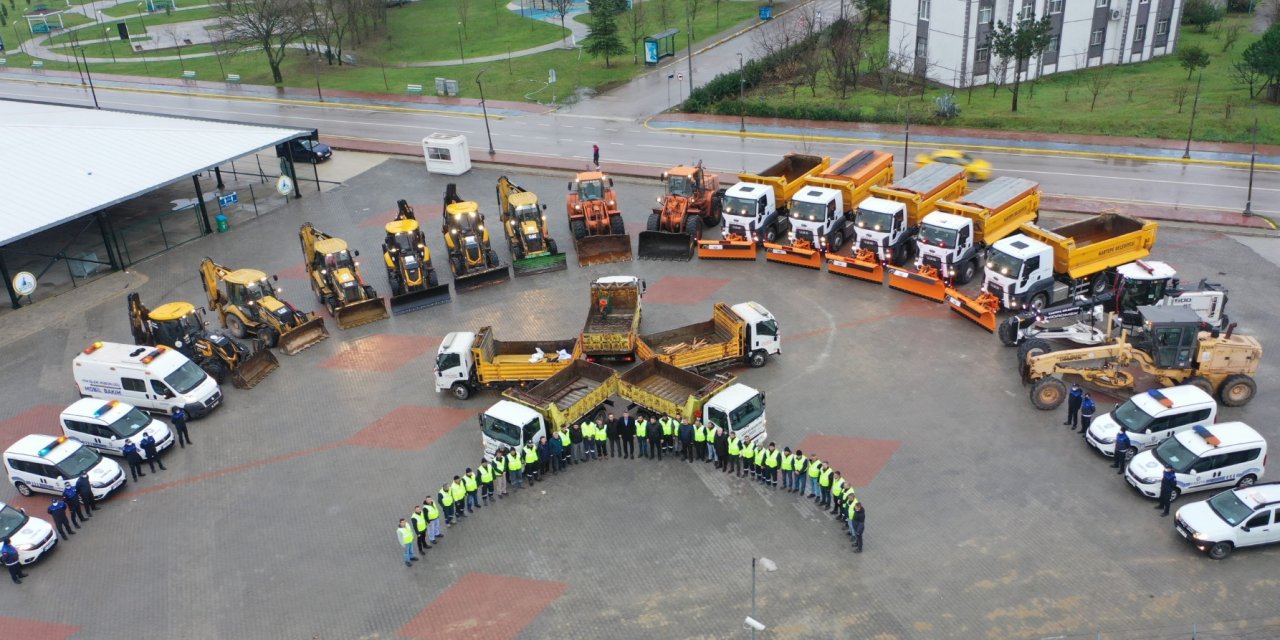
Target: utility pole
x,y
742,88
1253,156
1186,154
484,109
688,23
906,140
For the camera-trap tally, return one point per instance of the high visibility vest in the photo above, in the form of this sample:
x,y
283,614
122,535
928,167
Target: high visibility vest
x,y
602,434
458,491
760,457
825,480
668,427
419,521
837,487
734,449
788,462
500,464
486,473
851,510
564,439
446,498
815,468
588,430
469,481
771,459
513,462
798,462
406,534
849,492
433,513
642,428
699,434
530,454
749,450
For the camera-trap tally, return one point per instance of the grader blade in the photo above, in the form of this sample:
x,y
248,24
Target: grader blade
x,y
472,280
981,311
727,249
420,299
303,336
254,369
798,255
545,263
924,283
862,266
363,312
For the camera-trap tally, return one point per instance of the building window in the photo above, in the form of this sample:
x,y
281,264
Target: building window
x,y
1162,27
1140,34
1028,11
982,55
1103,3
1095,38
1055,6
1143,1
922,47
984,15
924,9
1054,43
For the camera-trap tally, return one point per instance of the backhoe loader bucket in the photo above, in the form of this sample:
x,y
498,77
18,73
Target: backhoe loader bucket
x,y
797,254
665,245
481,278
863,266
981,311
363,312
303,336
727,248
925,283
544,263
594,250
254,369
420,299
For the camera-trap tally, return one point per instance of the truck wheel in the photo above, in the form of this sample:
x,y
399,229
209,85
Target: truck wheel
x,y
717,206
369,292
552,248
393,281
461,391
1237,390
579,229
235,325
655,220
1048,393
1032,347
432,279
216,370
771,234
23,489
517,253
837,241
1200,382
1038,301
456,265
491,257
1008,332
616,227
269,337
757,359
1100,284
1220,550
967,271
693,227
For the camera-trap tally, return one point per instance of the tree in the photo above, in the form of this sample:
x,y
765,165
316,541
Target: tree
x,y
561,7
463,7
692,7
1192,57
270,25
603,39
636,20
1097,82
1201,13
1029,39
1243,74
1263,58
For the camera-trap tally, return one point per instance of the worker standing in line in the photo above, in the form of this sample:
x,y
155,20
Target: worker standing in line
x,y
824,481
485,471
612,425
1168,482
544,457
772,460
531,460
734,451
153,456
748,455
857,524
721,441
642,435
602,444
58,510
815,470
699,440
446,503
458,492
799,464
575,439
9,556
500,472
471,483
516,468
419,521
405,535
1074,397
433,520
554,452
709,429
1087,407
758,463
1121,452
566,446
85,491
134,458
628,430
837,494
179,419
589,429
686,441
788,469
72,498
655,440
668,424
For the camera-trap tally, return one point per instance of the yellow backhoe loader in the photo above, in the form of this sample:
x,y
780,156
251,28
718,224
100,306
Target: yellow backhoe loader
x,y
335,279
471,258
246,303
181,326
412,277
525,222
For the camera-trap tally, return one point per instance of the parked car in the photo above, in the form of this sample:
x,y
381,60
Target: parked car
x,y
309,151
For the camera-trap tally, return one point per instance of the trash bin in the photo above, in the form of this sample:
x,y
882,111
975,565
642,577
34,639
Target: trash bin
x,y
221,223
766,12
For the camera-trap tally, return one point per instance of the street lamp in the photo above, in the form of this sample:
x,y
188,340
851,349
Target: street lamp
x,y
742,107
1186,153
484,109
461,55
110,48
906,140
81,54
688,24
1253,156
769,566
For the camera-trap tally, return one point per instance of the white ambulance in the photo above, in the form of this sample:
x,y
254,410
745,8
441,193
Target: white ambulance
x,y
156,379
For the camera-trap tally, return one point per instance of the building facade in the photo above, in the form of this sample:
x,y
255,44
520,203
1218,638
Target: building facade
x,y
947,40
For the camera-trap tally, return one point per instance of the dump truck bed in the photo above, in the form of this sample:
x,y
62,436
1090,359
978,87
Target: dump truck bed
x,y
499,361
788,174
998,208
612,333
1088,246
669,390
922,190
854,175
569,395
698,344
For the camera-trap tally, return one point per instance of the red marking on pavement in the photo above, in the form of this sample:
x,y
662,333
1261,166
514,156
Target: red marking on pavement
x,y
382,352
296,272
36,629
481,606
858,460
40,418
683,290
410,428
136,492
420,210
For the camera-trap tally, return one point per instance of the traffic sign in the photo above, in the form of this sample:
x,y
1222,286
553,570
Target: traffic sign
x,y
679,76
228,200
24,283
284,186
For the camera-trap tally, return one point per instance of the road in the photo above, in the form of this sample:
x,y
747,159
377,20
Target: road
x,y
632,140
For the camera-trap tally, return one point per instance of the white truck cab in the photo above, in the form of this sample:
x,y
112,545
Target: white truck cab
x,y
818,216
946,243
1152,417
510,424
151,378
45,464
738,409
750,211
763,337
1235,518
455,362
1226,454
1017,269
105,425
883,229
32,537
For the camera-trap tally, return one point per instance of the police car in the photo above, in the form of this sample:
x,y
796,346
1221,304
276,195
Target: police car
x,y
32,537
105,425
45,464
1236,518
1226,454
1152,417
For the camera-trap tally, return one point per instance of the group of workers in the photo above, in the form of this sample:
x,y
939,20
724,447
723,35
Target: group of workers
x,y
614,437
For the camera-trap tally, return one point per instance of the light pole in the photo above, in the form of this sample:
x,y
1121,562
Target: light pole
x,y
110,48
906,141
688,23
485,110
1253,156
80,50
769,566
1186,153
315,69
742,106
461,55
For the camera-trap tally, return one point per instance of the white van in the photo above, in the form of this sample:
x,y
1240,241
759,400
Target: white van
x,y
1222,455
45,463
150,378
1152,418
105,425
32,537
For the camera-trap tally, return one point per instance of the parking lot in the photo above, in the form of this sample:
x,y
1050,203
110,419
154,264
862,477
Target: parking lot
x,y
986,518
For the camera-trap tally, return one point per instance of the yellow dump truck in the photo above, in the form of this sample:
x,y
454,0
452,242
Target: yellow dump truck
x,y
719,401
467,362
613,319
755,209
525,416
744,333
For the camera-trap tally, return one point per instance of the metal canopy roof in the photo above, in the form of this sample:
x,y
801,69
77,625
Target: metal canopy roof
x,y
59,163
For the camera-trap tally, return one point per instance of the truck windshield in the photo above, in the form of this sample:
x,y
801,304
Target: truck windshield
x,y
591,190
1229,507
679,186
939,236
78,463
446,361
11,521
1172,453
811,211
528,214
186,377
746,413
767,328
1129,416
1004,264
130,423
874,220
502,431
740,207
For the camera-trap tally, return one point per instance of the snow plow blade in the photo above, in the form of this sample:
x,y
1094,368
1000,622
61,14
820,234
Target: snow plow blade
x,y
420,299
254,369
924,283
477,279
363,312
798,256
665,245
863,266
593,250
981,311
303,336
545,263
727,249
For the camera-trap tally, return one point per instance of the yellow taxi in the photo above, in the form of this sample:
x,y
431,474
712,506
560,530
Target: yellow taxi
x,y
974,168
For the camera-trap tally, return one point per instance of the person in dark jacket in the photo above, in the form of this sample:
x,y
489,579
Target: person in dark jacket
x,y
58,511
615,436
1122,450
686,440
134,458
858,524
9,557
1087,408
1168,484
575,437
179,419
1074,397
627,426
556,449
153,455
722,448
544,458
72,497
655,438
85,491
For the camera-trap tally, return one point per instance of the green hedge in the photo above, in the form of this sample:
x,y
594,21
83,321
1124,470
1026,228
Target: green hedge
x,y
880,114
727,85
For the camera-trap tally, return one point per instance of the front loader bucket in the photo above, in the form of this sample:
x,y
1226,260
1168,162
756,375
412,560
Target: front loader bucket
x,y
477,279
303,336
254,369
924,283
420,299
863,266
363,312
665,245
544,263
981,311
726,250
808,258
594,250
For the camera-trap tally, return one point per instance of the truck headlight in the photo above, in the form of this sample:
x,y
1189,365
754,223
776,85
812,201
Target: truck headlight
x,y
1198,536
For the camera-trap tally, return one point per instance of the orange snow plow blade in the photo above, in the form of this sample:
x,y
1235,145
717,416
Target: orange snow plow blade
x,y
924,283
981,311
863,266
800,254
730,247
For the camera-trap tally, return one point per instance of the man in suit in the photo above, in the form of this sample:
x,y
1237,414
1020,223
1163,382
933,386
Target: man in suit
x,y
627,427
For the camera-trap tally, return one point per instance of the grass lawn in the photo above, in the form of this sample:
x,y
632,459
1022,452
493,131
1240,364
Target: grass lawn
x,y
131,9
135,23
1139,100
706,24
428,30
105,50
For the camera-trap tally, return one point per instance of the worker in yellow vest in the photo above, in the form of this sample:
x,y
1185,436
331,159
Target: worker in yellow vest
x,y
531,463
824,481
588,439
699,440
788,469
485,471
798,464
733,462
748,457
500,472
446,502
433,520
815,470
566,447
515,468
642,435
772,460
837,494
758,463
602,441
710,430
669,426
419,521
472,484
404,533
458,491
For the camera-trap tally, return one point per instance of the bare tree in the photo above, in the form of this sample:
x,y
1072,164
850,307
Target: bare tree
x,y
791,74
1097,83
844,57
561,7
1245,75
692,6
464,7
269,25
636,24
1180,96
664,13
